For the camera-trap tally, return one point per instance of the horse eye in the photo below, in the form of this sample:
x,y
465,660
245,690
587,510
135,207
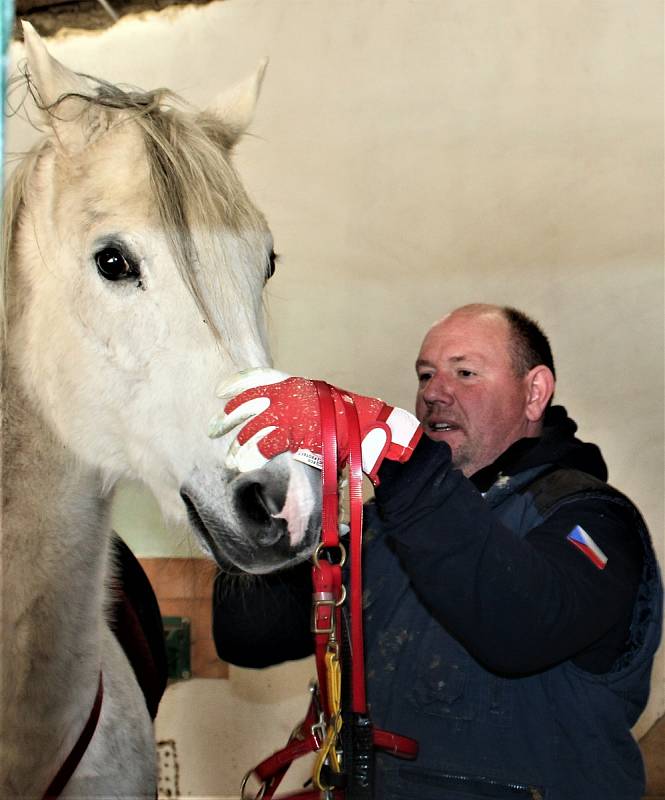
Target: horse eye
x,y
272,262
113,265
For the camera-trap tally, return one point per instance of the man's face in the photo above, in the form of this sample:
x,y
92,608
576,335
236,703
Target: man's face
x,y
468,392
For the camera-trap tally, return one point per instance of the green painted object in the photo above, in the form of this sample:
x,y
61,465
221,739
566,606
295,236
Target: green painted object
x,y
177,634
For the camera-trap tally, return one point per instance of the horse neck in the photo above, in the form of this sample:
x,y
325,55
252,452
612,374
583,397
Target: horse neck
x,y
54,559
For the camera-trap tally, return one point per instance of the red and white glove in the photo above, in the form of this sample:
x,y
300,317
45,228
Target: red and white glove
x,y
282,414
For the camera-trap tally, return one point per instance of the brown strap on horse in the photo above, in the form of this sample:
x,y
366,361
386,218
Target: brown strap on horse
x,y
72,761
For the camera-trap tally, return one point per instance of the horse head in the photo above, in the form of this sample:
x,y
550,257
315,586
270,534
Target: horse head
x,y
136,264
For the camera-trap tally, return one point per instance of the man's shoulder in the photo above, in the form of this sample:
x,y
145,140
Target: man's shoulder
x,y
562,485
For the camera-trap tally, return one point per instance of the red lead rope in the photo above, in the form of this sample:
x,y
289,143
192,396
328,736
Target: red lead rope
x,y
328,595
327,576
358,699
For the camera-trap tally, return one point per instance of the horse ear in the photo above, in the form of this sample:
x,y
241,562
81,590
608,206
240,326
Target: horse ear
x,y
235,107
50,78
50,81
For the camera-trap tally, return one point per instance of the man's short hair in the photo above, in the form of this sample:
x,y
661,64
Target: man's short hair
x,y
529,346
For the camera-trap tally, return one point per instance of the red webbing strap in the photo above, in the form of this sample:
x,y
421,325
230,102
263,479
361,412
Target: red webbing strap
x,y
326,576
72,761
327,583
326,614
271,771
393,743
358,699
330,502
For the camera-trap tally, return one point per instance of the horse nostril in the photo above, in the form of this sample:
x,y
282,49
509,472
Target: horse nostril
x,y
258,499
255,504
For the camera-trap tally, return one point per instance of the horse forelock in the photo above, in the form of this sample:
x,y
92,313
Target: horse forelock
x,y
198,195
203,207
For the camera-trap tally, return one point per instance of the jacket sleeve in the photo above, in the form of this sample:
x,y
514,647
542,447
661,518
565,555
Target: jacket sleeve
x,y
518,605
259,621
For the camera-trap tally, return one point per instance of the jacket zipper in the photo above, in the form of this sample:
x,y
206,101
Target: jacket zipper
x,y
534,792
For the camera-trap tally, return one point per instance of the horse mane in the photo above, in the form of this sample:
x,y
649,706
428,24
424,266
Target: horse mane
x,y
195,188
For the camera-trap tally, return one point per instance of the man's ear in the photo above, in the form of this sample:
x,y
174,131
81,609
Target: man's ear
x,y
540,387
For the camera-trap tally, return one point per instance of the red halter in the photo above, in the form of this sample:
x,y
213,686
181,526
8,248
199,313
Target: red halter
x,y
329,593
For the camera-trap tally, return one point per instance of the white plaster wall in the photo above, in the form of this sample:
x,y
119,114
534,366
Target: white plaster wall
x,y
415,156
222,728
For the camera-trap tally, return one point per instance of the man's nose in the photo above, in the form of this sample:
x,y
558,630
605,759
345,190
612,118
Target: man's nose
x,y
438,390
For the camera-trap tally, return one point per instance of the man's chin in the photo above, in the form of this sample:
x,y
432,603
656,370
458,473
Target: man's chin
x,y
459,457
461,460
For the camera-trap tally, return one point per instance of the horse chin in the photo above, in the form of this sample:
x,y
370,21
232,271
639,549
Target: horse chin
x,y
256,522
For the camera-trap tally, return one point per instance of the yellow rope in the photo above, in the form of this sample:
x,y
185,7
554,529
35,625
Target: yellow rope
x,y
328,749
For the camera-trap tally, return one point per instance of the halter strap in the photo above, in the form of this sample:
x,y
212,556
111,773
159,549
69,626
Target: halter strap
x,y
328,595
72,761
330,531
358,699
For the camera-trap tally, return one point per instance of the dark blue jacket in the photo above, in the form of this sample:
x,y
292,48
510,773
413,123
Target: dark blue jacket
x,y
517,663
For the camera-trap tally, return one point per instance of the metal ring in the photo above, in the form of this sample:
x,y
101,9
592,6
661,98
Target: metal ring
x,y
343,597
243,786
322,547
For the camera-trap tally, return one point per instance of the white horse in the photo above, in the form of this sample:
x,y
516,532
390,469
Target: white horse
x,y
133,268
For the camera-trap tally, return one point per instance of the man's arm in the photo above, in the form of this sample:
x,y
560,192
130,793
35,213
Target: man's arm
x,y
259,621
517,605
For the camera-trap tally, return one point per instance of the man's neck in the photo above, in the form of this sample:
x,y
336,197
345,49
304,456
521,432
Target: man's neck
x,y
504,464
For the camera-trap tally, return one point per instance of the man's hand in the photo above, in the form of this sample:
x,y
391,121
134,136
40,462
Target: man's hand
x,y
282,414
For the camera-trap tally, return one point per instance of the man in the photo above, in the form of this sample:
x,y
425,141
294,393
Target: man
x,y
513,602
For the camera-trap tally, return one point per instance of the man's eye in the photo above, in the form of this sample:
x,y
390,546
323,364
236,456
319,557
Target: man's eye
x,y
465,373
423,377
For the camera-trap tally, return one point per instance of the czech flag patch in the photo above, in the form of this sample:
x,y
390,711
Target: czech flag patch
x,y
582,541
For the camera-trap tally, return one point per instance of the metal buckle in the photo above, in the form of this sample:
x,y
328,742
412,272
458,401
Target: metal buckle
x,y
316,604
319,730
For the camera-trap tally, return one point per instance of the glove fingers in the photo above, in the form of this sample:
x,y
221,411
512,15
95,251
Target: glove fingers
x,y
374,446
277,441
256,451
247,457
227,420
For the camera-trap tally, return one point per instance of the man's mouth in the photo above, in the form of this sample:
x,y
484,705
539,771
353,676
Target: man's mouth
x,y
441,427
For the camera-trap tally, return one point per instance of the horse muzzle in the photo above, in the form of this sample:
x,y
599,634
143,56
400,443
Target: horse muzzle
x,y
258,521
